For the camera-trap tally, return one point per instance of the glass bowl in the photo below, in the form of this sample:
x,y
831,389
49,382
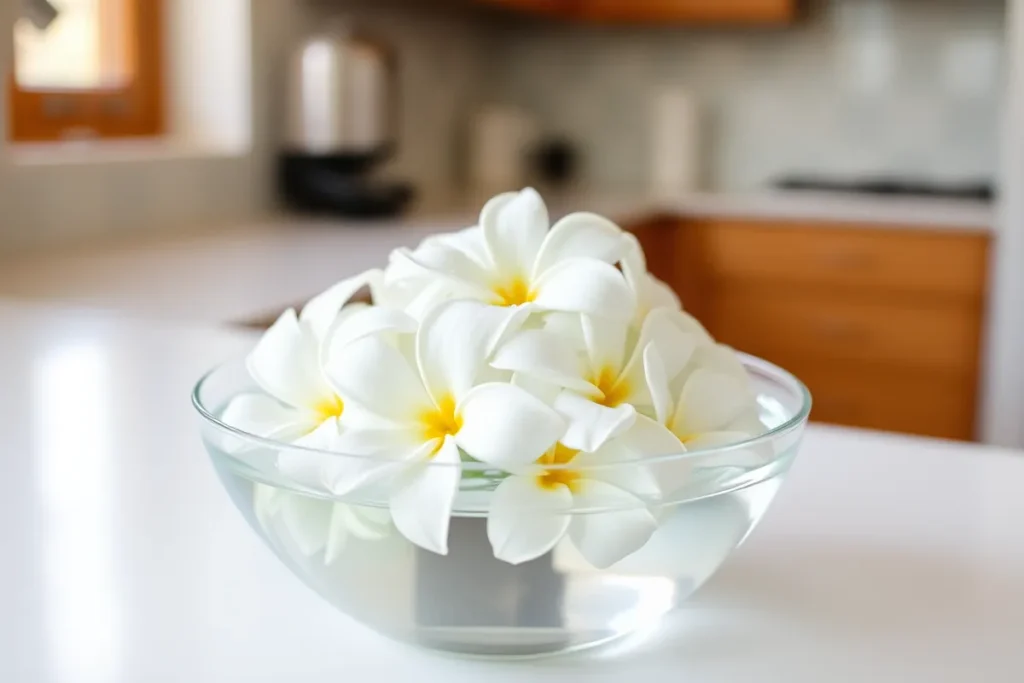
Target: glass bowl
x,y
468,602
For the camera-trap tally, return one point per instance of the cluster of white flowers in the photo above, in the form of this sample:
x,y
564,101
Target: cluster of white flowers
x,y
538,352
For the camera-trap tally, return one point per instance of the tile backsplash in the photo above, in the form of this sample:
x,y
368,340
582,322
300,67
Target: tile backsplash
x,y
857,87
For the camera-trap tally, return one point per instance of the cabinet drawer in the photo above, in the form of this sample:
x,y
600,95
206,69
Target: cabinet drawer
x,y
767,323
864,258
862,396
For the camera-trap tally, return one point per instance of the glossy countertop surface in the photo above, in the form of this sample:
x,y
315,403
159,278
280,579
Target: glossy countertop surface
x,y
884,558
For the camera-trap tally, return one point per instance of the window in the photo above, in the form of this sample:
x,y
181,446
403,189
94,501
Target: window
x,y
94,71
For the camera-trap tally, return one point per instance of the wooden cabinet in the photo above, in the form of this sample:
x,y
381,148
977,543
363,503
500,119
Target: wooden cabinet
x,y
659,11
557,8
883,324
687,11
866,258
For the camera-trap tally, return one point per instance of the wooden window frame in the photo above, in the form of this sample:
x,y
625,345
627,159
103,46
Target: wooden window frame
x,y
133,111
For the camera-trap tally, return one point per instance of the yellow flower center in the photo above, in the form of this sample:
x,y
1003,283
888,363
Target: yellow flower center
x,y
513,292
441,421
615,390
684,438
552,479
329,407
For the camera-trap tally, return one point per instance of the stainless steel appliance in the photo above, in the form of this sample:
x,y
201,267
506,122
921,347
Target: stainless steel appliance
x,y
341,124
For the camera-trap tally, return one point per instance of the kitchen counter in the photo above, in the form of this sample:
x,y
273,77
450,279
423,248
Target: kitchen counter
x,y
253,271
884,558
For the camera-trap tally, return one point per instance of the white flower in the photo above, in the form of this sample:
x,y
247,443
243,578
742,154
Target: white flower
x,y
602,366
429,401
550,355
598,498
512,259
298,405
312,524
714,403
649,292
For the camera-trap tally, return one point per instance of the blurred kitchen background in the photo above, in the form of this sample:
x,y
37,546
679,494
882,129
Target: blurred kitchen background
x,y
836,185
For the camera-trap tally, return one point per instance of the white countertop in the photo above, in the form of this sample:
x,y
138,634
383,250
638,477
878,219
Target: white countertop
x,y
884,558
251,271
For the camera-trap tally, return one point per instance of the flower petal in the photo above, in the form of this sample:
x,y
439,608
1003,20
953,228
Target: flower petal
x,y
322,310
650,439
286,364
306,467
606,343
650,292
455,341
566,326
506,426
368,456
634,261
364,322
267,417
589,424
541,354
306,521
423,297
367,523
687,324
710,401
584,286
439,261
582,235
661,295
514,229
337,533
627,471
657,384
675,337
266,503
674,347
604,538
378,376
349,521
526,520
469,241
542,389
421,504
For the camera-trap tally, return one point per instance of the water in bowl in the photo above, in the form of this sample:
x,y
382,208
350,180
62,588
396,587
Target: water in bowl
x,y
470,603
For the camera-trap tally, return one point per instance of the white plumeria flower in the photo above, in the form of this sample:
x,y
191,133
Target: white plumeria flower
x,y
315,525
711,403
298,405
599,498
512,259
649,292
428,402
602,367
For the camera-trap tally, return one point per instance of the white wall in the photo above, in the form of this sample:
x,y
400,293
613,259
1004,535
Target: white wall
x,y
858,86
1003,397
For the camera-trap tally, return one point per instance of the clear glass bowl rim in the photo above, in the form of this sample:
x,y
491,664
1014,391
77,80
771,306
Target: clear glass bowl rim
x,y
773,372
